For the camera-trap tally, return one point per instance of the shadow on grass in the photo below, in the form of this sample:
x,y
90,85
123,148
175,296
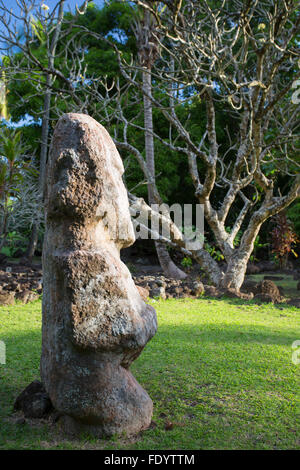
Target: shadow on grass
x,y
224,333
178,369
246,303
185,342
24,346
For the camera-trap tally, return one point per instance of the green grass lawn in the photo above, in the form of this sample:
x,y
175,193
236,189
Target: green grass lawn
x,y
219,370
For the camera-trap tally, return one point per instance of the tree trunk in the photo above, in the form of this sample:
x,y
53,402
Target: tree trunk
x,y
43,158
169,267
32,242
235,272
237,263
45,127
149,142
210,266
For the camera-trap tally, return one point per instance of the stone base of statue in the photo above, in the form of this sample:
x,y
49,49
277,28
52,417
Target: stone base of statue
x,y
127,411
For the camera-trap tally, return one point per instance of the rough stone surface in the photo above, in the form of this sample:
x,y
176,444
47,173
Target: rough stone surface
x,y
7,298
21,283
144,293
249,286
212,291
95,323
34,401
166,288
267,291
198,288
158,292
26,296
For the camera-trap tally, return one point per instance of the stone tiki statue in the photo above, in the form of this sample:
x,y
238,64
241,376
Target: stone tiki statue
x,y
95,323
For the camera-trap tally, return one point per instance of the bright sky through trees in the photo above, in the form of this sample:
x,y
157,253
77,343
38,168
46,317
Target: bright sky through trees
x,y
52,3
70,4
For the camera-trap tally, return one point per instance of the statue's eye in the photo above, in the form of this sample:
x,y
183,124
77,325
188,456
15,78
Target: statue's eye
x,y
65,161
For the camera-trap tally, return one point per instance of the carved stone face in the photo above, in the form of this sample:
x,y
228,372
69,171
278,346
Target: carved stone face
x,y
85,178
114,196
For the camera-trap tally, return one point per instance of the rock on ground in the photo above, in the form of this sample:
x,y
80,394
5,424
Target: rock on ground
x,y
21,283
165,288
34,401
267,291
7,298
